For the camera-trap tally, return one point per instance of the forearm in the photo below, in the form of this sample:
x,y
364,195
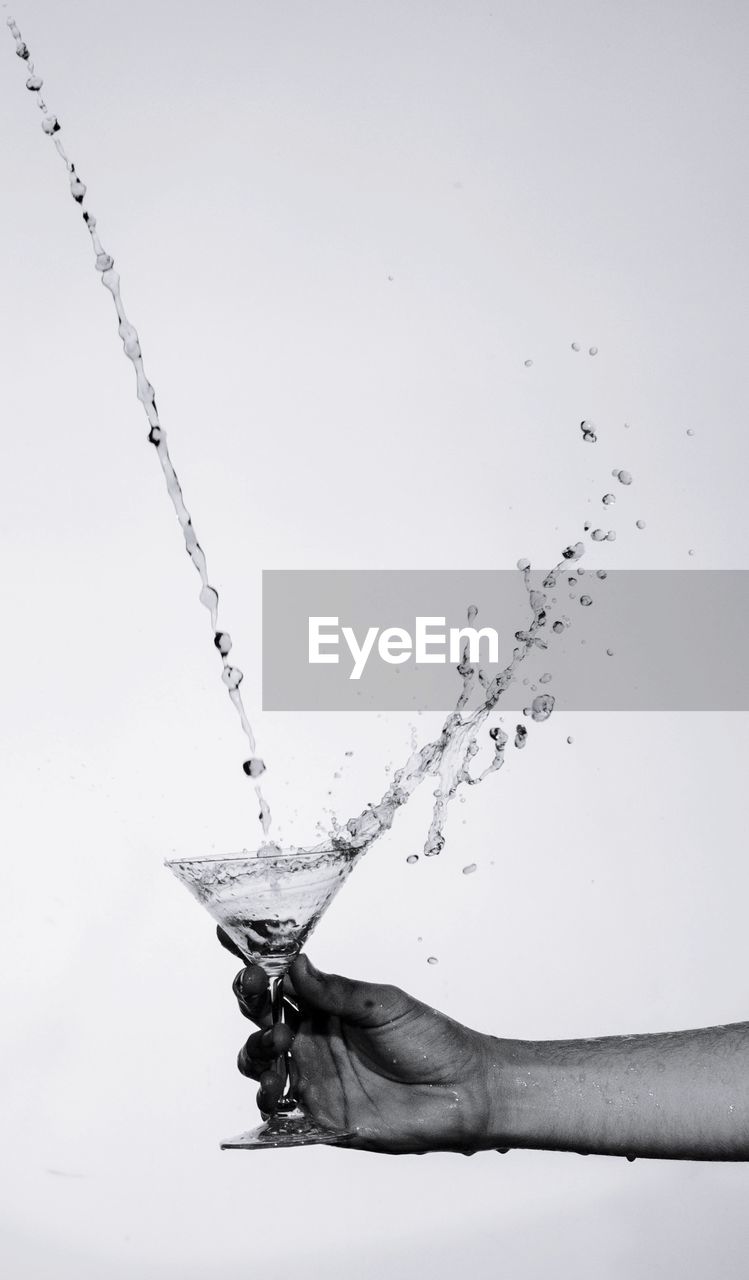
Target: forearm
x,y
680,1095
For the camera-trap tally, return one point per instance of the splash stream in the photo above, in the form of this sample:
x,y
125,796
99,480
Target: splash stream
x,y
448,757
232,677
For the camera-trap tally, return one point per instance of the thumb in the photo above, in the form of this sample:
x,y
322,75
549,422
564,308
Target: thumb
x,y
364,1004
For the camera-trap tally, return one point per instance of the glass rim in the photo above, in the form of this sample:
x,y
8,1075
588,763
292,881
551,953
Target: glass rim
x,y
253,855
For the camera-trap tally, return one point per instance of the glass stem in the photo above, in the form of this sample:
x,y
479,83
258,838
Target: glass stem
x,y
287,1101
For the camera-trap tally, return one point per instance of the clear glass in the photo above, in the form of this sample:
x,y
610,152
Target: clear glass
x,y
268,903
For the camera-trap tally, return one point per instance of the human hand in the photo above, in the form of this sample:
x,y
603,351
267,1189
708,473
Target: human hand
x,y
369,1059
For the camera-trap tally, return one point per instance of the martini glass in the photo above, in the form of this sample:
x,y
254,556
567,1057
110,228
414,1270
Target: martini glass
x,y
268,903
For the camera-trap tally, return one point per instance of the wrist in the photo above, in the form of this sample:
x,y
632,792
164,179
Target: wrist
x,y
517,1102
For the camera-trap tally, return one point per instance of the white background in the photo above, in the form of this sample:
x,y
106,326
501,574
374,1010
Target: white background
x,y
342,228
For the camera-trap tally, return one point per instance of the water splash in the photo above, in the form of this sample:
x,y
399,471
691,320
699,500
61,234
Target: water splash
x,y
448,758
104,263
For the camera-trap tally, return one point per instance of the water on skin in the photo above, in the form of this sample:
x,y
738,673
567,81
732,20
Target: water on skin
x,y
231,676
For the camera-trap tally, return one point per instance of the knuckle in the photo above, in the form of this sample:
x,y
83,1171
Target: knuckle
x,y
389,996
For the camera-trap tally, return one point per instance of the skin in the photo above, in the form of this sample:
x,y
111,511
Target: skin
x,y
403,1078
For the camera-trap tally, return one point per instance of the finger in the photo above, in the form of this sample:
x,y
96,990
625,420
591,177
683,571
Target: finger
x,y
250,986
226,941
269,1093
263,1048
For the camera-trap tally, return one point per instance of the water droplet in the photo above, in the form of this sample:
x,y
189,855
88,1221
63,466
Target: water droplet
x,y
469,870
524,564
104,262
558,627
601,573
528,363
77,188
155,435
610,653
575,346
608,498
586,601
570,740
129,336
574,552
545,678
34,83
640,524
690,553
254,766
232,677
598,535
589,432
50,124
542,707
624,477
690,432
269,850
592,351
432,960
411,859
521,736
222,641
611,535
209,598
22,50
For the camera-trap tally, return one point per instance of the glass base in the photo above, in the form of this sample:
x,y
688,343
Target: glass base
x,y
289,1129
